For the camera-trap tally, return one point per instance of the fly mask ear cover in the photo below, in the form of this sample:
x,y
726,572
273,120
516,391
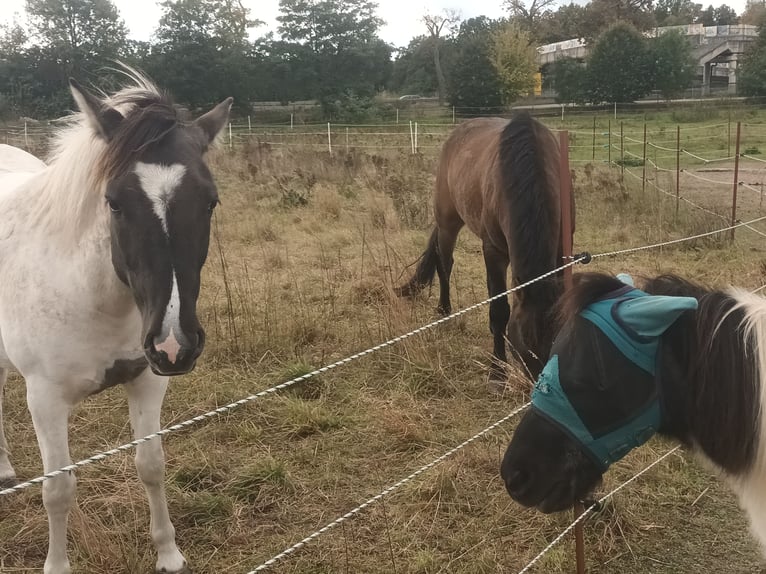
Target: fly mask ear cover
x,y
631,323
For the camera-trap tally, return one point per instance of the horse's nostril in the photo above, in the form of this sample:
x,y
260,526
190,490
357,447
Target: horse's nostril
x,y
517,481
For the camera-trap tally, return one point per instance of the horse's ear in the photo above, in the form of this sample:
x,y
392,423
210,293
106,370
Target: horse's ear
x,y
213,122
103,118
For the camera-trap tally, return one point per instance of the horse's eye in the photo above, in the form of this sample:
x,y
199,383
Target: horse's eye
x,y
114,206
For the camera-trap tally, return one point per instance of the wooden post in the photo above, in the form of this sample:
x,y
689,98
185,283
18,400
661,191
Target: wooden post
x,y
678,167
230,143
566,205
728,137
593,156
736,181
416,137
249,126
565,194
643,170
329,138
347,140
291,121
397,115
453,114
412,139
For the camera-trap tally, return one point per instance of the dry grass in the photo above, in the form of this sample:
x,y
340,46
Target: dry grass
x,y
306,251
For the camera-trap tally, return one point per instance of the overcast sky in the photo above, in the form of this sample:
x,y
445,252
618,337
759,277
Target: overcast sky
x,y
402,16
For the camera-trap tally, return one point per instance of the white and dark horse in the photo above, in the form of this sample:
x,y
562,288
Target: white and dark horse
x,y
100,258
685,361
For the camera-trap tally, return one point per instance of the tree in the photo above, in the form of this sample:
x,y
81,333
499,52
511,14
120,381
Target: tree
x,y
515,60
528,18
569,80
601,14
721,16
619,67
673,64
752,67
754,14
564,24
436,24
202,52
413,70
473,80
340,52
80,35
676,12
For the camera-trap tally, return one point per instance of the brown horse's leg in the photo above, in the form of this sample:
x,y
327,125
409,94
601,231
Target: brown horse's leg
x,y
447,238
496,262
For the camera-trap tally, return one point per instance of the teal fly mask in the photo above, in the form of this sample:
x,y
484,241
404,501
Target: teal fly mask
x,y
620,333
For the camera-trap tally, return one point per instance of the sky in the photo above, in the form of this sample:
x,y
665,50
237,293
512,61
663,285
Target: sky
x,y
402,16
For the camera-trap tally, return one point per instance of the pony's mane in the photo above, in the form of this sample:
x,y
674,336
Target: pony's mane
x,y
712,364
81,162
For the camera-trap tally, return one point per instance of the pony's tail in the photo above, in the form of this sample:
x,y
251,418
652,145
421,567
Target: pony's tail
x,y
426,269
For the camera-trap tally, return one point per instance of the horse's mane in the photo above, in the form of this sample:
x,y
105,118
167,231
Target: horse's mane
x,y
81,162
714,359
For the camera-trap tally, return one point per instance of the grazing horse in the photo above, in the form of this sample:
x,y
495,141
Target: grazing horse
x,y
501,179
100,258
674,358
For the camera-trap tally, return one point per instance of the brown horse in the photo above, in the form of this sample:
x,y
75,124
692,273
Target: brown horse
x,y
501,179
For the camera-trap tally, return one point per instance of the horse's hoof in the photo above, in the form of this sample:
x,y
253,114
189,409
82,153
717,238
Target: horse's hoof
x,y
444,311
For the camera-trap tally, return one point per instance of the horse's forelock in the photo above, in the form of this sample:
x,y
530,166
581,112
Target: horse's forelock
x,y
146,123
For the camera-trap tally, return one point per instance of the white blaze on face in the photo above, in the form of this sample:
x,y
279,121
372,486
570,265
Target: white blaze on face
x,y
170,323
160,182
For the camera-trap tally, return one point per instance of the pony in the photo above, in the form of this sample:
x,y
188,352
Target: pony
x,y
674,358
101,251
501,178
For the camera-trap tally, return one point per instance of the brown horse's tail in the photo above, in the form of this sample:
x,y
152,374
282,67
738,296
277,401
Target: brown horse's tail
x,y
426,269
529,176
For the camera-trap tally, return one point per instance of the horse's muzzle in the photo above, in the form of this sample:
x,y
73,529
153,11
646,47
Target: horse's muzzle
x,y
171,356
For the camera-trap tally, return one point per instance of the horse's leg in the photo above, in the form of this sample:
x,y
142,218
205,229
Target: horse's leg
x,y
7,474
50,416
145,395
496,261
447,238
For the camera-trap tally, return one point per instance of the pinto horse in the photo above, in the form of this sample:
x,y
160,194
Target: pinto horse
x,y
501,179
100,258
674,358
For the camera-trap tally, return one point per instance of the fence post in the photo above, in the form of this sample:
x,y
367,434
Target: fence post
x,y
728,137
615,111
562,115
593,156
329,138
609,152
26,138
678,167
230,143
643,170
453,114
622,154
346,140
565,177
249,126
416,137
397,115
412,139
736,182
291,121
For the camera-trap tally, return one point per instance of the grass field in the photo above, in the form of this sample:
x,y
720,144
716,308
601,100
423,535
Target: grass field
x,y
306,251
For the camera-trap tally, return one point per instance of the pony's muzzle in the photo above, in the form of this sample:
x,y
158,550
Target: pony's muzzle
x,y
172,355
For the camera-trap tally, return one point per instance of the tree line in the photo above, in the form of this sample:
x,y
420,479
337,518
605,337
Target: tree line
x,y
331,51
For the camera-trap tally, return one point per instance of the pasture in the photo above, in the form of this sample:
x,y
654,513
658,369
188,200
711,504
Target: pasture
x,y
306,251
